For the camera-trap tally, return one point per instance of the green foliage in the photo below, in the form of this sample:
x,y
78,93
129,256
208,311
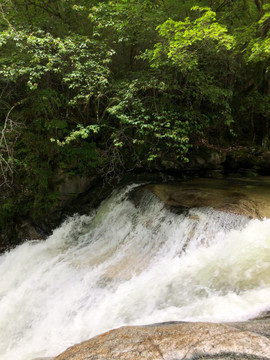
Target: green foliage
x,y
197,48
148,127
77,63
80,132
92,86
186,42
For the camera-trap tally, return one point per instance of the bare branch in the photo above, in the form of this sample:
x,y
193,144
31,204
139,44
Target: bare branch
x,y
6,19
7,147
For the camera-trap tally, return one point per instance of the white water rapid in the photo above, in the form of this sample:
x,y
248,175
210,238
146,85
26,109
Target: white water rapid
x,y
127,265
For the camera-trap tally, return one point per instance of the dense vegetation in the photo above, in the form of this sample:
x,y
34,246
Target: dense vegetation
x,y
91,86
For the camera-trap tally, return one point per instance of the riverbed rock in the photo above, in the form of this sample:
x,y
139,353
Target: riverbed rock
x,y
248,197
173,341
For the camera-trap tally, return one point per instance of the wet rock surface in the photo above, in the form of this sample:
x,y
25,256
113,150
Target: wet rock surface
x,y
175,341
249,197
259,325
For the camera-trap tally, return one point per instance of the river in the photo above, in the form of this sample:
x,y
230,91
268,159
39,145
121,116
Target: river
x,y
124,264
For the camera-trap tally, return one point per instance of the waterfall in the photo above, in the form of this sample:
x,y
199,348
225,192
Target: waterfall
x,y
123,265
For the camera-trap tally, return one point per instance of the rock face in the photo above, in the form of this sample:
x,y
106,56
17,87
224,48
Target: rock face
x,y
211,161
175,341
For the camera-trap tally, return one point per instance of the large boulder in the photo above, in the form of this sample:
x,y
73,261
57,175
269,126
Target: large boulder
x,y
175,341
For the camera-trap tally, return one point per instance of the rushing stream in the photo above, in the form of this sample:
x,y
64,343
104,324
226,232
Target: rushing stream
x,y
131,265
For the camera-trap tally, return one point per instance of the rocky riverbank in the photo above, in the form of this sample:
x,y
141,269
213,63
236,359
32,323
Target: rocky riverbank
x,y
79,194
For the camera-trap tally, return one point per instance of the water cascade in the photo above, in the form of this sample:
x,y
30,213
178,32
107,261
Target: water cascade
x,y
124,264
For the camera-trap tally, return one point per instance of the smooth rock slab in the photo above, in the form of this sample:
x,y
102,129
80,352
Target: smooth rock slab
x,y
172,342
249,198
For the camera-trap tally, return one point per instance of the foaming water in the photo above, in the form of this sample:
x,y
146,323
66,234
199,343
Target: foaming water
x,y
126,265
